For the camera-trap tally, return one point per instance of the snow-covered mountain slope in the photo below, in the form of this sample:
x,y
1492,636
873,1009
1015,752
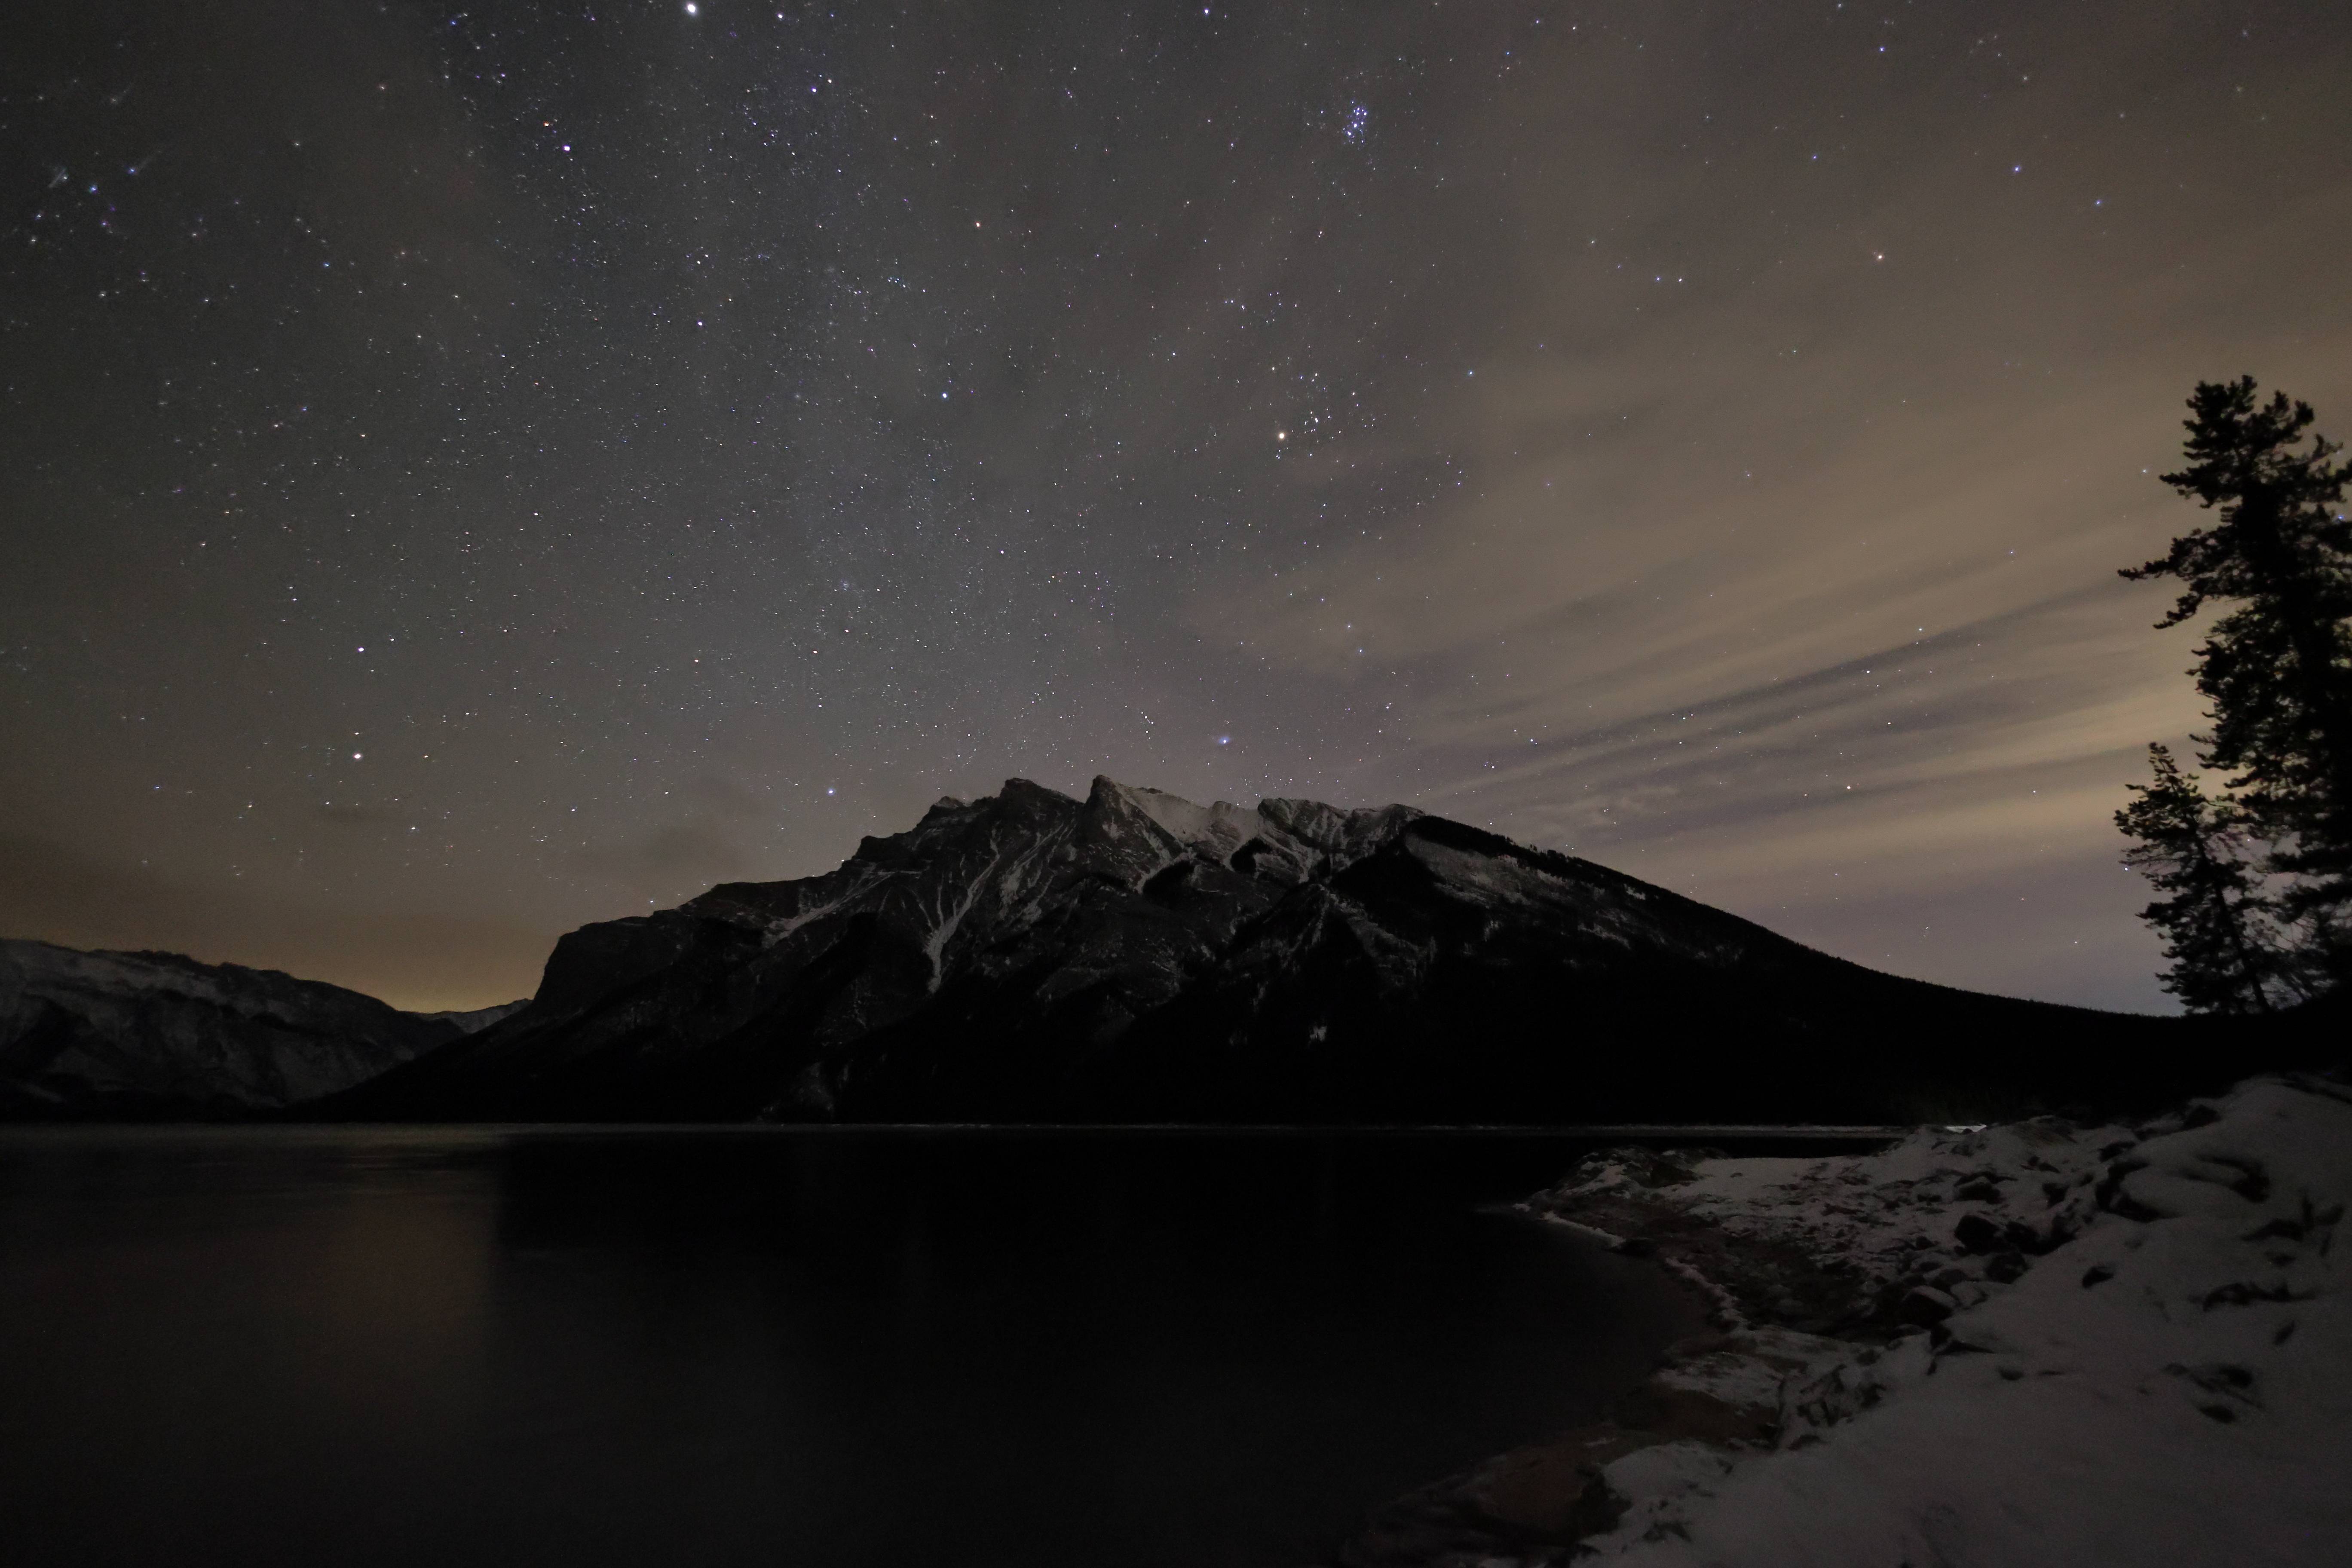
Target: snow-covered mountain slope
x,y
157,1035
1136,957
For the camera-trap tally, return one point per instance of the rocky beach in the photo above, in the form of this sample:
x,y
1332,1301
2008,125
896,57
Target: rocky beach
x,y
2037,1342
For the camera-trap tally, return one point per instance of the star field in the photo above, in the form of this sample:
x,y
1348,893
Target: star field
x,y
471,472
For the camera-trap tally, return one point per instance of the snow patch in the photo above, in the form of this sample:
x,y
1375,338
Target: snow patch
x,y
1217,828
783,926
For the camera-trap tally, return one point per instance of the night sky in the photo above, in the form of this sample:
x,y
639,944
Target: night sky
x,y
464,473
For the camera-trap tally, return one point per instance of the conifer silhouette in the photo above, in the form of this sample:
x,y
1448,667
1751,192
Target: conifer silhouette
x,y
2222,951
2277,669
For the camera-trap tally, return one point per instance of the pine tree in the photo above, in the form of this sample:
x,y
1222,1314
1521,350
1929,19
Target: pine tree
x,y
2222,955
2276,670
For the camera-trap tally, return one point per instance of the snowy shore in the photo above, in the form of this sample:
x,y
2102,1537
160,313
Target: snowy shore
x,y
2032,1343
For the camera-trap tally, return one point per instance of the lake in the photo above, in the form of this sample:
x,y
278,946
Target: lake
x,y
833,1348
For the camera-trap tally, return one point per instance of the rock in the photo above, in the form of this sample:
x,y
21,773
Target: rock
x,y
1675,1412
1926,1306
1975,1232
2006,1268
1554,1490
2023,1237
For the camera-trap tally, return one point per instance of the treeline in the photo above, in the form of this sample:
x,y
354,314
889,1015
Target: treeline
x,y
2256,879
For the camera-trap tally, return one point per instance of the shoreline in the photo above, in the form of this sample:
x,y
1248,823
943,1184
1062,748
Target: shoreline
x,y
2031,1342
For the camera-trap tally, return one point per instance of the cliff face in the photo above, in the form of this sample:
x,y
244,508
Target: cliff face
x,y
1136,957
95,1035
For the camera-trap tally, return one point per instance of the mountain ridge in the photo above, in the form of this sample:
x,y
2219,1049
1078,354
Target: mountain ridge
x,y
1136,956
149,1035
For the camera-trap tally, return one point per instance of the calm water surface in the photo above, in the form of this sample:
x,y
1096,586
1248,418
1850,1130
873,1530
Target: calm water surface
x,y
831,1348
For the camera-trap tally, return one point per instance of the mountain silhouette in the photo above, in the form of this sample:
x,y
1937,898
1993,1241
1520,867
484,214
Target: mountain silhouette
x,y
1135,957
159,1036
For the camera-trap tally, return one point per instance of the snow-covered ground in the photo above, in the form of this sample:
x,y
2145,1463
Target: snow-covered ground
x,y
2028,1344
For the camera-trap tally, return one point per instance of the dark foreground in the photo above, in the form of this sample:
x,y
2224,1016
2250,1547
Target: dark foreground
x,y
826,1347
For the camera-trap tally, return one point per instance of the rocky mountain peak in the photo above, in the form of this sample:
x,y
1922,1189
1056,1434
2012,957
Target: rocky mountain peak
x,y
1136,955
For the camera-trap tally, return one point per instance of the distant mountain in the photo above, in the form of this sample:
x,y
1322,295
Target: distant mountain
x,y
157,1036
1135,957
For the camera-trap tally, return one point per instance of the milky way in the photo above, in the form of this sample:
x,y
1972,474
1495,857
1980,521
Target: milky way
x,y
469,473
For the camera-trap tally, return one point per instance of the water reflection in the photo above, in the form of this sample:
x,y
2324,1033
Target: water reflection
x,y
825,1347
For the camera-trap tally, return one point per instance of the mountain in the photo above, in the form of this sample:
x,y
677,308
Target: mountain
x,y
1135,957
157,1036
